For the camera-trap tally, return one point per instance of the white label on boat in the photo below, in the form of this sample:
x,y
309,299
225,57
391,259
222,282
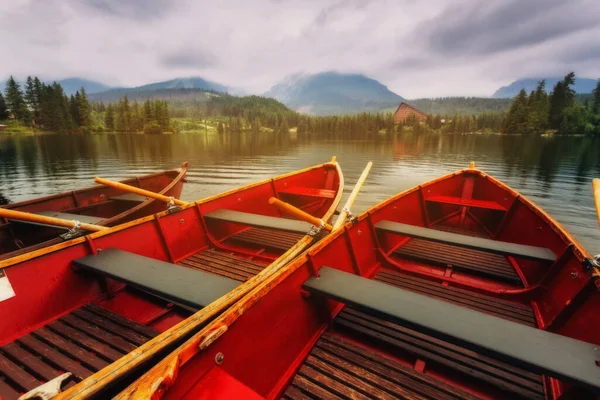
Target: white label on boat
x,y
6,290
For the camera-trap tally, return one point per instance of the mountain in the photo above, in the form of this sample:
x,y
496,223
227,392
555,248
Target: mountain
x,y
70,85
188,87
329,93
582,85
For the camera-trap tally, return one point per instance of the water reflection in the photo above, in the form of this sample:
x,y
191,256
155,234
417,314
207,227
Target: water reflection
x,y
553,172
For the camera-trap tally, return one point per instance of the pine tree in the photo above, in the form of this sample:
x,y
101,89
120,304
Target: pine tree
x,y
13,96
32,98
562,96
3,108
596,99
256,126
517,117
109,117
148,112
84,110
284,128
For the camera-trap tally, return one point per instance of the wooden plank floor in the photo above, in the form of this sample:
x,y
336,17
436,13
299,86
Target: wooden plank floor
x,y
500,308
339,369
267,238
224,264
82,342
460,258
500,378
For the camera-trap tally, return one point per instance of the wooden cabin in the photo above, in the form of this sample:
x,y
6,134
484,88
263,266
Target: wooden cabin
x,y
406,111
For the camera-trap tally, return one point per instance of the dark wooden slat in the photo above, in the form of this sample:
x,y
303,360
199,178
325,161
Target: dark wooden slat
x,y
86,341
368,383
231,257
459,258
408,377
17,374
491,306
267,238
55,357
98,333
489,374
7,392
228,262
293,393
468,294
74,351
438,346
314,389
31,361
533,349
475,243
262,221
237,276
127,334
147,331
342,388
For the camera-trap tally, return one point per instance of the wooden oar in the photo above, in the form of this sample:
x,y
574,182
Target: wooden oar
x,y
141,192
41,219
359,184
298,213
596,186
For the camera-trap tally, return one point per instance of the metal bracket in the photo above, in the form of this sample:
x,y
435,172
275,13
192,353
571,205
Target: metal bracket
x,y
349,216
314,231
73,232
47,390
591,263
171,206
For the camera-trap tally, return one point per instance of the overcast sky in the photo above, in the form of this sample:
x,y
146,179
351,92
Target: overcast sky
x,y
416,48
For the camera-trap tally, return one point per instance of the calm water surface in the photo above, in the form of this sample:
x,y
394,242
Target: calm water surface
x,y
555,173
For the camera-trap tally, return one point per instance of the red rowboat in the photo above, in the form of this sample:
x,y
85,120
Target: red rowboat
x,y
103,306
98,205
458,288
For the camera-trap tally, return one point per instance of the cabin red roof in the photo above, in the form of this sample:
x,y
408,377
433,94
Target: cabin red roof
x,y
405,111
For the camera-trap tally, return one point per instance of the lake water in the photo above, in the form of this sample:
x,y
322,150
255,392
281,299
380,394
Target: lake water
x,y
555,173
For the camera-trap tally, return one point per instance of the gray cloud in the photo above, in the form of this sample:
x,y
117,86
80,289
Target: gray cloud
x,y
189,58
482,27
133,9
433,48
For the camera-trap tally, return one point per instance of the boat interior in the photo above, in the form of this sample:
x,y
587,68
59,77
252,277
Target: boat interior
x,y
459,288
98,205
79,306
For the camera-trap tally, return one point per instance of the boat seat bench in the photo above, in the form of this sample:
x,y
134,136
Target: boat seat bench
x,y
132,197
260,221
470,242
535,350
182,285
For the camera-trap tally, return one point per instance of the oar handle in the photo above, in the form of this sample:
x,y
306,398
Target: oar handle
x,y
137,190
298,213
359,184
42,219
596,186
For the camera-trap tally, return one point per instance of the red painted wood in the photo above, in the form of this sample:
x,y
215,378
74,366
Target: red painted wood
x,y
460,201
218,384
313,192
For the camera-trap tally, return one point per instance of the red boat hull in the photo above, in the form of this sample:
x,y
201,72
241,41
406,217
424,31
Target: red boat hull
x,y
52,298
96,201
281,342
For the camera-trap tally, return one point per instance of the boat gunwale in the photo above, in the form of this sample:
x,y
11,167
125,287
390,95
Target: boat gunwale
x,y
96,382
155,382
8,262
